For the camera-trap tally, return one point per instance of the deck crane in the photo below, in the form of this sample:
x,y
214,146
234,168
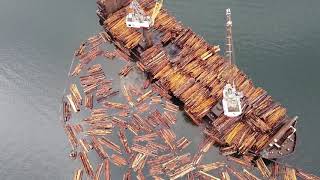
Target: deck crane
x,y
156,11
284,141
231,101
138,19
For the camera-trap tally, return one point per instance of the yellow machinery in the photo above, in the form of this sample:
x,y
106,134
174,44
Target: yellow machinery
x,y
156,11
137,18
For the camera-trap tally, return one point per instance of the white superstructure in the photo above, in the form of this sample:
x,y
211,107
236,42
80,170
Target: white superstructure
x,y
137,18
231,101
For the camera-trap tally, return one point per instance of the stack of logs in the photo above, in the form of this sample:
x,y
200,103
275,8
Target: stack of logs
x,y
184,64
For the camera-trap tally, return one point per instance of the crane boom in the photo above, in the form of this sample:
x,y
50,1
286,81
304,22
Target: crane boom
x,y
156,11
229,53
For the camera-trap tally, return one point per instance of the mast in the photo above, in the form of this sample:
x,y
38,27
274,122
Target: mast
x,y
231,101
229,54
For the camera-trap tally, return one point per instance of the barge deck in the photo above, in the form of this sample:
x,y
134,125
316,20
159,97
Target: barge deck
x,y
184,64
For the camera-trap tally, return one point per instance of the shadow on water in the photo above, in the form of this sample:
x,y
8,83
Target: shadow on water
x,y
188,120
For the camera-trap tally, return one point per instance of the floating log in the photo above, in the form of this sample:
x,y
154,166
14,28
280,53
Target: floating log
x,y
182,171
103,89
107,169
171,119
144,96
146,137
107,95
155,99
211,166
159,160
110,144
98,172
197,158
190,176
225,175
85,145
141,149
168,136
237,174
249,175
140,176
88,101
73,103
86,164
157,178
175,161
263,168
139,162
118,160
206,175
109,55
142,107
77,128
119,122
75,93
99,149
80,51
124,113
133,129
106,38
66,111
229,150
71,136
155,170
127,94
306,176
109,104
100,125
78,174
97,68
242,162
157,119
127,175
183,143
98,132
125,71
142,123
170,106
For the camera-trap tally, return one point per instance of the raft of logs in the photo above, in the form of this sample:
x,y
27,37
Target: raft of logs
x,y
146,141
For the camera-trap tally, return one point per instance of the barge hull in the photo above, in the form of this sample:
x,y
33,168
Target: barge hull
x,y
184,64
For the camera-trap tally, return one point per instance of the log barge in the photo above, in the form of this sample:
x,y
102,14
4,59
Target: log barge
x,y
182,63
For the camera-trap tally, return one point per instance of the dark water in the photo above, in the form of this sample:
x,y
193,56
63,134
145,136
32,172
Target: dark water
x,y
276,44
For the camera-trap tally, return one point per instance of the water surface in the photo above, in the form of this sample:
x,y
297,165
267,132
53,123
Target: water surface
x,y
275,41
